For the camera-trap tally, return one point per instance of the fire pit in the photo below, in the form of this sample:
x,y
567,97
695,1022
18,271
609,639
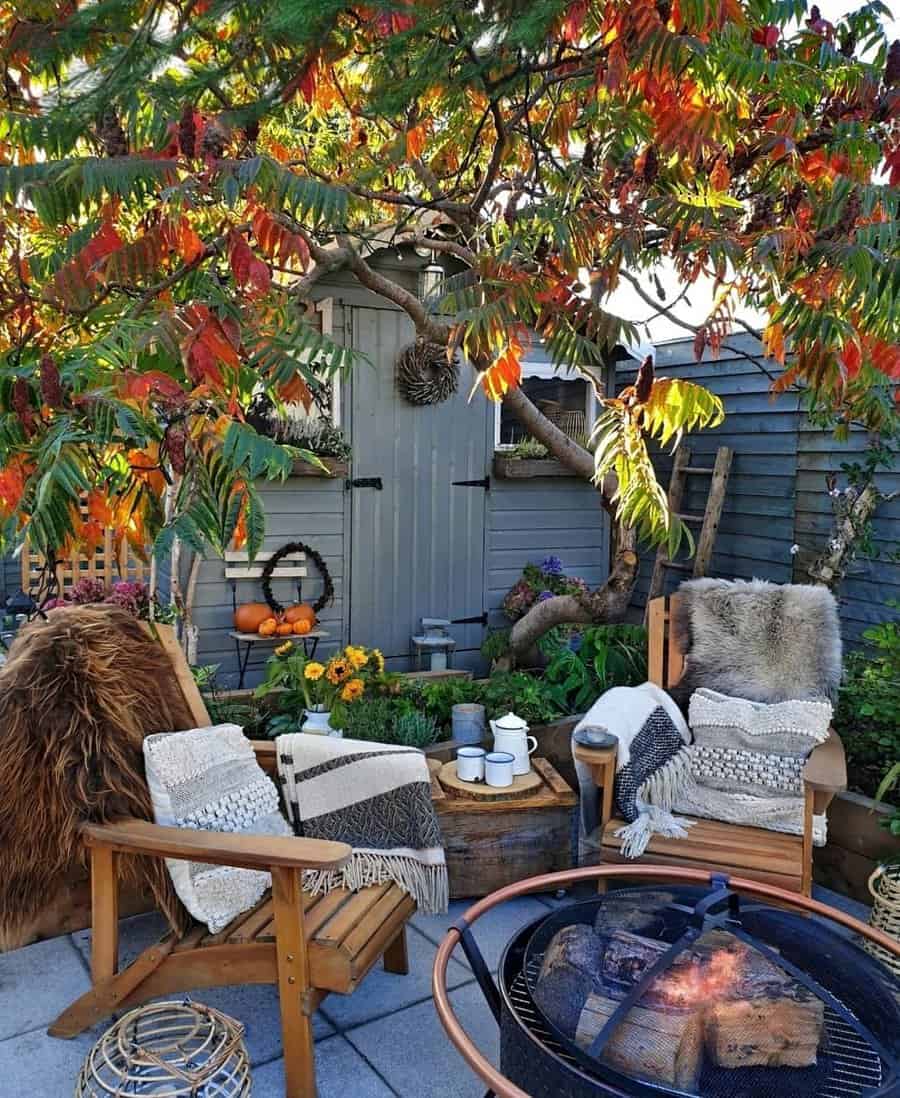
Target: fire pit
x,y
690,988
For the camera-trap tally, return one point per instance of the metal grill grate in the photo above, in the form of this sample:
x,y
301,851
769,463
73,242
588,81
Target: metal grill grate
x,y
856,1067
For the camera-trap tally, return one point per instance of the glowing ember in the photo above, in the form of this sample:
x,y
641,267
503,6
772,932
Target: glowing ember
x,y
702,980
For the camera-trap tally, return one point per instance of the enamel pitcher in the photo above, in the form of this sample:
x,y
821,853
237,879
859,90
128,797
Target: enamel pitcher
x,y
511,734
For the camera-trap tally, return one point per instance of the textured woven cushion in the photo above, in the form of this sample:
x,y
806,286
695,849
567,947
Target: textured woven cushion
x,y
208,779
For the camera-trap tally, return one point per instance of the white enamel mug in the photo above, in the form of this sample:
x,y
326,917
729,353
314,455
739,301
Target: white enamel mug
x,y
498,768
470,764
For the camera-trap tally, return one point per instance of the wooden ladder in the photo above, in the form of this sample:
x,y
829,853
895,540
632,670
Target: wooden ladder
x,y
708,521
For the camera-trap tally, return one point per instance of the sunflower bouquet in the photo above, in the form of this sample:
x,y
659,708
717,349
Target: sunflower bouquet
x,y
318,686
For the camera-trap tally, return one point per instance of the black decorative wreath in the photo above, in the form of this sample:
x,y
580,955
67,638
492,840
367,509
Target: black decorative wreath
x,y
327,596
424,374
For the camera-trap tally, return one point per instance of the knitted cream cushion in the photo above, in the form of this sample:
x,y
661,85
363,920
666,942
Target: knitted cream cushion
x,y
208,779
743,746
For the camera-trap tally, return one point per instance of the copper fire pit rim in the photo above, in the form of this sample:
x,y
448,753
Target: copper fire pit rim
x,y
505,1088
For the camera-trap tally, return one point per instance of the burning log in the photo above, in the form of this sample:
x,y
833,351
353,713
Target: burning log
x,y
755,1014
569,972
662,1045
763,1033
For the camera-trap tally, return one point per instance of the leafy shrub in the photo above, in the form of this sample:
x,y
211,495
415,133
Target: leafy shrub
x,y
868,709
496,644
520,693
603,656
390,720
438,698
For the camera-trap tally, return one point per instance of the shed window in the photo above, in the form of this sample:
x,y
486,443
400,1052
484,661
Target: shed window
x,y
567,400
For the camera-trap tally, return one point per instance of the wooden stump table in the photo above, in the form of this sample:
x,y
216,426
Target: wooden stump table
x,y
493,837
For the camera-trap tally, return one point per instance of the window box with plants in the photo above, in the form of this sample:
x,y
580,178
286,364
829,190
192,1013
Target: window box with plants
x,y
526,460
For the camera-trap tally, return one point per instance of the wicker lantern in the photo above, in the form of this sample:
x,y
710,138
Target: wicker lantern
x,y
168,1050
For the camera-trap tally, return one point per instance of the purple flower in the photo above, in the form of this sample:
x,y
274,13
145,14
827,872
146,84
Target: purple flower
x,y
544,595
133,597
552,566
87,591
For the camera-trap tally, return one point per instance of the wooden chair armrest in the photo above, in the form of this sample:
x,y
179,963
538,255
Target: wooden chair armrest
x,y
132,836
264,750
826,767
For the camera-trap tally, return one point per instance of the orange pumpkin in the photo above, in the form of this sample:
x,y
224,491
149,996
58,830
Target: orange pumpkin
x,y
301,612
249,617
302,627
267,628
284,629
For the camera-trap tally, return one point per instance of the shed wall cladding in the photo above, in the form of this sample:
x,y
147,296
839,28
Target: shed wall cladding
x,y
776,493
308,509
529,520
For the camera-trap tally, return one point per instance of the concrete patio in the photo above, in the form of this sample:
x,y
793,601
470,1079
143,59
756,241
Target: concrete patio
x,y
383,1041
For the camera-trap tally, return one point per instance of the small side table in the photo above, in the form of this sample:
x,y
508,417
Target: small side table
x,y
248,640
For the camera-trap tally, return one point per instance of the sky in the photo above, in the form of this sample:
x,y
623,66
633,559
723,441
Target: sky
x,y
626,302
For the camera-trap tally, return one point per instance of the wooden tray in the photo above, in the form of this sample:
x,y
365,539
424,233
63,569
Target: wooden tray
x,y
524,785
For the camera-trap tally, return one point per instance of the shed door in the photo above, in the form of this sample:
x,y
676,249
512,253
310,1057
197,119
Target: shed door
x,y
417,545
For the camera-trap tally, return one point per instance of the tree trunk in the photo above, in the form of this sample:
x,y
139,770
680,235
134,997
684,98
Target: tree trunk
x,y
607,604
830,568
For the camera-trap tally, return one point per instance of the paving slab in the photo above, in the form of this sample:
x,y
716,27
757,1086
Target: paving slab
x,y
492,931
37,983
340,1073
411,1051
385,992
34,1065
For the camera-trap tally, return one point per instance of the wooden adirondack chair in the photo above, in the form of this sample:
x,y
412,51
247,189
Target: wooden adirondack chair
x,y
784,860
308,946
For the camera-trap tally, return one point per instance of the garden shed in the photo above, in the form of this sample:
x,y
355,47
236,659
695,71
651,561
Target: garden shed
x,y
421,521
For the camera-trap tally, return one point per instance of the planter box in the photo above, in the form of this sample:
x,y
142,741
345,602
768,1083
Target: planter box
x,y
856,844
335,468
507,467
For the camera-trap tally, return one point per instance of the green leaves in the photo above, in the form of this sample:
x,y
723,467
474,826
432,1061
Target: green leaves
x,y
304,198
672,407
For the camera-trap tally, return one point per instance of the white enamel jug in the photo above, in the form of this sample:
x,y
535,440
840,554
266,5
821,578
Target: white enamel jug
x,y
511,734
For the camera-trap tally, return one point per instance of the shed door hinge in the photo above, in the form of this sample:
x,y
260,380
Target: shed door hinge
x,y
478,619
484,482
364,482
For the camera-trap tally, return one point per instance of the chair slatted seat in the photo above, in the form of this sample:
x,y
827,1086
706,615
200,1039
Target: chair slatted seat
x,y
308,946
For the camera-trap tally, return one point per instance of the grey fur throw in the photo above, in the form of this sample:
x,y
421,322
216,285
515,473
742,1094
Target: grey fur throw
x,y
758,640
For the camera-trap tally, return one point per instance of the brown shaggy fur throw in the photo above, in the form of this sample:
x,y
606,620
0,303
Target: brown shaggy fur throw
x,y
79,693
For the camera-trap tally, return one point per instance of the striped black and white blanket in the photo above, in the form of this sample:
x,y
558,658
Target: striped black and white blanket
x,y
375,797
652,764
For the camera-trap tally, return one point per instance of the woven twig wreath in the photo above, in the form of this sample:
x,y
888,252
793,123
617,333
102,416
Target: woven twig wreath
x,y
327,596
424,376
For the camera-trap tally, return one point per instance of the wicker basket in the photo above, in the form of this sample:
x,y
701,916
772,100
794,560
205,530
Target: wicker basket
x,y
168,1050
570,422
884,884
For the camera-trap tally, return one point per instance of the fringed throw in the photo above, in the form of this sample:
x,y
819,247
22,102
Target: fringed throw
x,y
652,764
375,797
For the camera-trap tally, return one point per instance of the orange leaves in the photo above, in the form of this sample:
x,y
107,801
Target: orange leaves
x,y
393,22
181,238
685,122
851,358
250,272
504,373
773,342
154,383
207,347
12,485
885,357
74,284
304,82
720,176
574,21
416,139
279,243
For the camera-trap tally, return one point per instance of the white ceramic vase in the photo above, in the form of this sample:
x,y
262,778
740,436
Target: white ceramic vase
x,y
318,723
